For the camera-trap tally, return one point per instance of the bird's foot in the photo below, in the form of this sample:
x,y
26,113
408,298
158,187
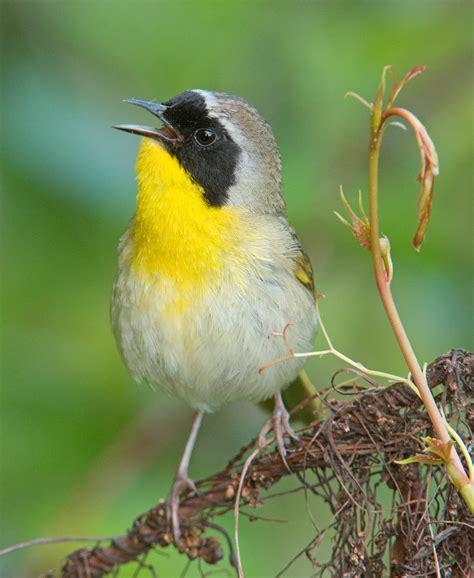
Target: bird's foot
x,y
280,424
182,482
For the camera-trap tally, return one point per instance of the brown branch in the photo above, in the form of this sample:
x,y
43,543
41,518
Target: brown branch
x,y
377,423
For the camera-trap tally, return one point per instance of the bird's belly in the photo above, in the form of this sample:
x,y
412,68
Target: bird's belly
x,y
209,348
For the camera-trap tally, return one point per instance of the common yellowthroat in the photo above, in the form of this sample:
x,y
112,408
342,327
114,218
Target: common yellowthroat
x,y
209,267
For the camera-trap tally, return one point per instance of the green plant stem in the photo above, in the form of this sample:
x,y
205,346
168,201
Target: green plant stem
x,y
383,286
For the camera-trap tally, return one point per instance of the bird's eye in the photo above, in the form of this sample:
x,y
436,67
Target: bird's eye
x,y
205,137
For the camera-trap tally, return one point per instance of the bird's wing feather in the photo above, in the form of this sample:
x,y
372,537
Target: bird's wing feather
x,y
300,264
304,271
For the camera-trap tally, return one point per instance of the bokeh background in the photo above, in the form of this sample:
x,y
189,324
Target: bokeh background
x,y
84,450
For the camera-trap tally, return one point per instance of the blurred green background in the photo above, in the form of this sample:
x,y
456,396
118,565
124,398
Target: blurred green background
x,y
84,450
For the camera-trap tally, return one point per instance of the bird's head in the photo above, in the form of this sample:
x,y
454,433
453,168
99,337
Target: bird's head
x,y
222,144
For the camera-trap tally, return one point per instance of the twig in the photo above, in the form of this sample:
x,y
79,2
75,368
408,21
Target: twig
x,y
333,351
57,540
367,232
245,469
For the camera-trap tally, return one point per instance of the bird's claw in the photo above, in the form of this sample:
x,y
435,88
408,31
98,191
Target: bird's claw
x,y
280,424
181,483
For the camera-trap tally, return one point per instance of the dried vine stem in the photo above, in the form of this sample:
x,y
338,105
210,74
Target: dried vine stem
x,y
372,429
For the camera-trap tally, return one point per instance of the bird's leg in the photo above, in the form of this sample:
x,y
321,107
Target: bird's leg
x,y
280,424
182,480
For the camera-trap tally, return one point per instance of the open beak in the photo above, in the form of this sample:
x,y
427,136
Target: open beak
x,y
166,133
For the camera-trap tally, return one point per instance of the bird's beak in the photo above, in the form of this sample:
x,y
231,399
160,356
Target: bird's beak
x,y
166,133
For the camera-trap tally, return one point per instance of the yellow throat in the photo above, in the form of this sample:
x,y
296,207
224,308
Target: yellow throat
x,y
175,232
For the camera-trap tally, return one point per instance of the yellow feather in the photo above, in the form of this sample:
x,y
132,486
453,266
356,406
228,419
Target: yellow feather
x,y
176,234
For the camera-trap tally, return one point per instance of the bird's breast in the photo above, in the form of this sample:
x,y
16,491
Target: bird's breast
x,y
175,234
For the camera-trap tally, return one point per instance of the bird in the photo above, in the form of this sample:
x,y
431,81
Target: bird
x,y
209,269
